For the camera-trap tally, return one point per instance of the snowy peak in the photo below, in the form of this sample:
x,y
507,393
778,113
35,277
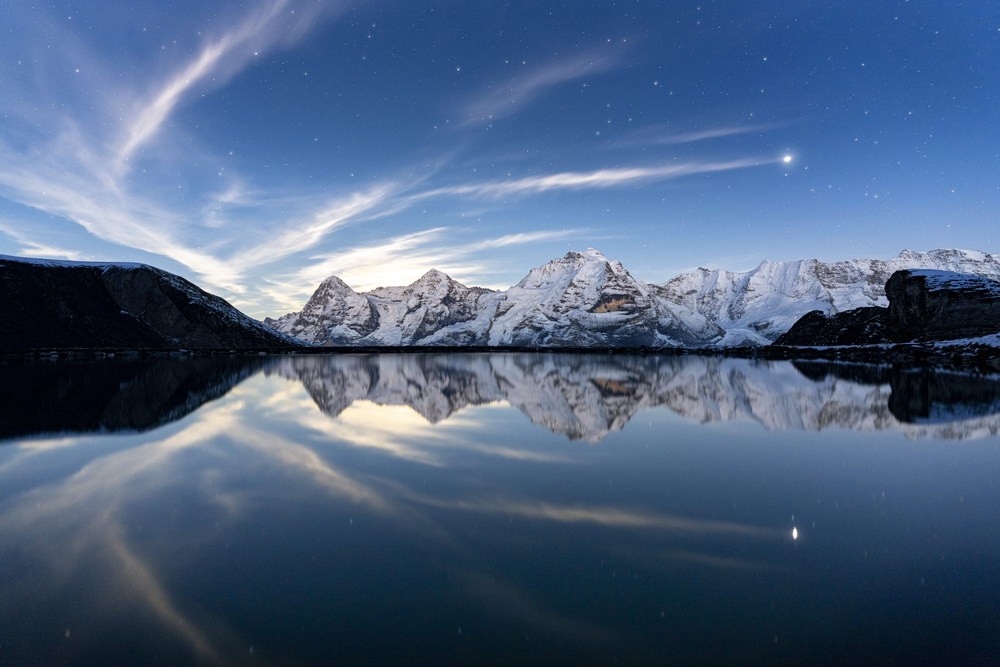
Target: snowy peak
x,y
581,299
759,305
333,301
432,279
560,272
334,285
436,285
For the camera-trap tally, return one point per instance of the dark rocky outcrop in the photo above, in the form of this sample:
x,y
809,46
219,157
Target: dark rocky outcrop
x,y
924,306
941,305
47,304
861,326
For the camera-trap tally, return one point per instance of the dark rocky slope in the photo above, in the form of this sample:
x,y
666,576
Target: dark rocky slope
x,y
925,306
48,304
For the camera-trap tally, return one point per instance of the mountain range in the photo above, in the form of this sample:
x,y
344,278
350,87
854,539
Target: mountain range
x,y
582,300
583,397
585,299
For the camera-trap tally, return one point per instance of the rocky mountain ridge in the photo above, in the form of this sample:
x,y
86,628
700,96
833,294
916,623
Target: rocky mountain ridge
x,y
56,304
580,300
585,299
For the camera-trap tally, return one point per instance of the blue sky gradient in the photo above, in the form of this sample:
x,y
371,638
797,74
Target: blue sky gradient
x,y
256,148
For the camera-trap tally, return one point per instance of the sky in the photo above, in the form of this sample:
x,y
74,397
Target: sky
x,y
258,147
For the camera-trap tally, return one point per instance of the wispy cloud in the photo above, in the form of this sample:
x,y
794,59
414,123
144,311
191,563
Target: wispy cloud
x,y
403,258
510,96
32,248
506,600
105,157
80,172
298,237
601,178
664,136
217,62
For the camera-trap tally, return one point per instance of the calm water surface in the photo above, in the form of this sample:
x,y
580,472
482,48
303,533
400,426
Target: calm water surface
x,y
508,508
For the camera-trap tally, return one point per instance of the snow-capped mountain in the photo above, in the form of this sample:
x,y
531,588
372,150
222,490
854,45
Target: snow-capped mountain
x,y
759,305
585,299
433,310
582,299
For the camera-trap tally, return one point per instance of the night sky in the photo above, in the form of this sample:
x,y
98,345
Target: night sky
x,y
257,148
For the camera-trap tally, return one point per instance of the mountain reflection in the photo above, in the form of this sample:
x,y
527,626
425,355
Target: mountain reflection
x,y
392,521
583,397
587,397
111,395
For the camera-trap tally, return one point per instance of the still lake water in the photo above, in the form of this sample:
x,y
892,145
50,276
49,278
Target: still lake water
x,y
504,508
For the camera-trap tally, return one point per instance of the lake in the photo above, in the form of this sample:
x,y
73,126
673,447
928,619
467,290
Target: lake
x,y
500,508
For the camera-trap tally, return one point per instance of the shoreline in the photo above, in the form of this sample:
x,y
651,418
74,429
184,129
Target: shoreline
x,y
972,356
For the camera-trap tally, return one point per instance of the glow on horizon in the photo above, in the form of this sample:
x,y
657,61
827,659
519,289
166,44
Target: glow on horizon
x,y
254,147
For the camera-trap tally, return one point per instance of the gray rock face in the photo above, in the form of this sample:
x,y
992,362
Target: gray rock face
x,y
924,306
49,304
941,305
861,326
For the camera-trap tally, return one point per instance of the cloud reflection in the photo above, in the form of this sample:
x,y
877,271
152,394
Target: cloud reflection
x,y
610,517
108,531
504,599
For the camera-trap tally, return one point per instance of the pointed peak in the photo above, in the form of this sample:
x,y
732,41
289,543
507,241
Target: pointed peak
x,y
432,277
334,281
331,287
434,274
336,285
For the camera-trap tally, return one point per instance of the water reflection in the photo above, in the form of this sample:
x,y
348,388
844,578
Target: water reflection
x,y
138,541
417,516
111,395
579,396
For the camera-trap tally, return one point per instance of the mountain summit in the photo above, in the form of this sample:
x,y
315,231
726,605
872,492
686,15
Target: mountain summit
x,y
582,299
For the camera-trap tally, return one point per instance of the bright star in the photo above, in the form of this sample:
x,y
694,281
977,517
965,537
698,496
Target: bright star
x,y
786,159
